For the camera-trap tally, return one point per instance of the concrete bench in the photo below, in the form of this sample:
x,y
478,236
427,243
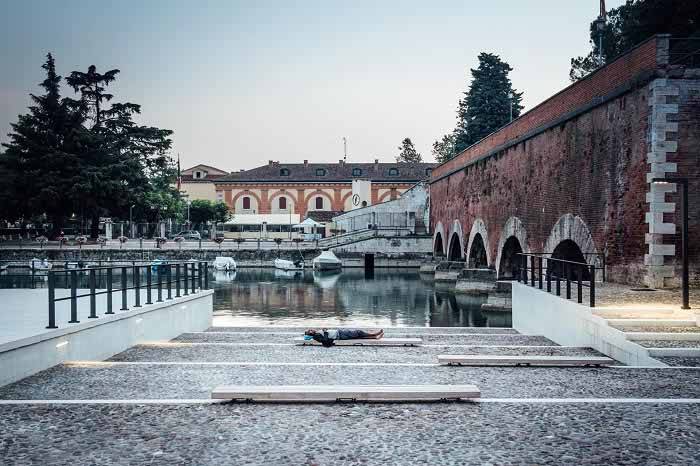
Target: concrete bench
x,y
365,342
331,393
493,360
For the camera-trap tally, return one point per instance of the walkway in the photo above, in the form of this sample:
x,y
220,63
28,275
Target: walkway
x,y
151,404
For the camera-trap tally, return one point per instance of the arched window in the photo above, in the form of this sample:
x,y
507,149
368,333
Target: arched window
x,y
319,203
283,203
246,203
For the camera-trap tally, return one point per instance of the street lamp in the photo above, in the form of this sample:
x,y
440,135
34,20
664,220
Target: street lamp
x,y
684,235
189,203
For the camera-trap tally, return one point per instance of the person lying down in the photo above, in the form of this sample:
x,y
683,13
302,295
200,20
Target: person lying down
x,y
327,336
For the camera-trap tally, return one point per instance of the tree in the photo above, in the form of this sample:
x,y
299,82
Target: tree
x,y
408,153
41,162
444,149
202,212
487,104
221,212
632,23
119,156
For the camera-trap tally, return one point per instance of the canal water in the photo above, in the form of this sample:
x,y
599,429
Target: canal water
x,y
386,298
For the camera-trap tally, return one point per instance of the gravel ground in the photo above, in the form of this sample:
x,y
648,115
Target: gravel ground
x,y
387,330
215,353
680,361
398,434
477,339
668,343
659,329
99,381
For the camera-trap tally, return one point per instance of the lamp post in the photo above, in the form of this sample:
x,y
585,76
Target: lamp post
x,y
189,203
131,221
684,234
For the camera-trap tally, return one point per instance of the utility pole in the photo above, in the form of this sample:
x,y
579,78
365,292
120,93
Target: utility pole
x,y
600,23
345,149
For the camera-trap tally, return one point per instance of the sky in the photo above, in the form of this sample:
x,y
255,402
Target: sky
x,y
244,82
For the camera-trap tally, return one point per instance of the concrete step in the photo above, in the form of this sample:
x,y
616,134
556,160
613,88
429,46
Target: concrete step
x,y
364,342
664,336
189,352
493,360
684,352
639,313
653,323
669,343
353,393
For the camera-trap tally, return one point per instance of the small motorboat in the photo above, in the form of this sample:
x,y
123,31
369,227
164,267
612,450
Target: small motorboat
x,y
224,263
40,264
327,261
158,265
287,265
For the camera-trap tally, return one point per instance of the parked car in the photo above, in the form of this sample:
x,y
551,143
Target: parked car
x,y
189,234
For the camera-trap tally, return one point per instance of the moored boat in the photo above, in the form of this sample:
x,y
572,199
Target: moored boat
x,y
327,261
224,263
40,264
284,264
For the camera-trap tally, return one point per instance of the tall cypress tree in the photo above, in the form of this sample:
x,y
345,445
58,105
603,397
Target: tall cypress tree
x,y
408,152
40,163
486,106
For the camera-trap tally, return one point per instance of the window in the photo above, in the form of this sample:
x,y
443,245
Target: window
x,y
356,172
197,174
246,203
284,172
319,203
320,172
393,172
428,171
283,203
219,196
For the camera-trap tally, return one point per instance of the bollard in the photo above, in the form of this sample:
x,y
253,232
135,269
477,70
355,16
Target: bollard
x,y
109,292
124,300
187,292
149,284
160,286
93,297
169,277
137,286
52,300
73,297
177,280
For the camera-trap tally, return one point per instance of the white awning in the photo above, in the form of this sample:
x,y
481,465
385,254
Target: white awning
x,y
308,223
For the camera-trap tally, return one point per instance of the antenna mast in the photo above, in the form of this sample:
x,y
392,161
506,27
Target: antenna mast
x,y
345,149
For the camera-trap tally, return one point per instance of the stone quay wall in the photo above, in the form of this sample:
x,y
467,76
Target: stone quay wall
x,y
578,167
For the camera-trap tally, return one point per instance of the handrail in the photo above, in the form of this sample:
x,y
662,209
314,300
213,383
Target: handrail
x,y
195,277
537,271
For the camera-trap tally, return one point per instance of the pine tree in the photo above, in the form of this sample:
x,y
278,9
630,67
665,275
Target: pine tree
x,y
632,23
40,163
487,105
444,149
408,153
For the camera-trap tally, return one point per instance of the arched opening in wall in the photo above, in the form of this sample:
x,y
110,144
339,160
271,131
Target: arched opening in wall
x,y
477,254
246,203
455,252
510,261
438,248
568,250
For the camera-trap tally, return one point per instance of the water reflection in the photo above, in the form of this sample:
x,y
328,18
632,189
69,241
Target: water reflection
x,y
389,297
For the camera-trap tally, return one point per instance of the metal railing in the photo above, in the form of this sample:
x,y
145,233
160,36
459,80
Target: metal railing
x,y
187,278
544,272
685,51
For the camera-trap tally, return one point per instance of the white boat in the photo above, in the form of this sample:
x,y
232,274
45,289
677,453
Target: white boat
x,y
224,275
39,264
284,264
224,263
327,261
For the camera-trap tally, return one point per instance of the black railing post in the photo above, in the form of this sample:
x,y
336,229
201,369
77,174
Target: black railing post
x,y
109,291
201,278
93,297
532,271
169,277
567,275
185,280
193,278
52,300
73,297
124,287
524,269
177,280
549,276
137,285
580,269
539,271
149,284
558,282
592,290
206,276
160,284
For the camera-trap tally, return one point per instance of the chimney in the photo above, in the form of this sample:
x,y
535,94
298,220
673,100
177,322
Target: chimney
x,y
269,162
306,162
376,161
341,162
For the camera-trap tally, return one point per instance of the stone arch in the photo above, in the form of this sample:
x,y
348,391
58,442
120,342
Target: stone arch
x,y
243,194
439,249
383,196
479,228
513,228
344,199
455,249
315,194
570,239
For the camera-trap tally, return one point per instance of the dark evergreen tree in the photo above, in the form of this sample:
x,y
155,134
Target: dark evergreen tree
x,y
488,103
444,149
120,156
408,153
632,23
41,164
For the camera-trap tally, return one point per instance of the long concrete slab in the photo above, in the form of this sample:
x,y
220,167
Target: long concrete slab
x,y
365,342
503,360
332,393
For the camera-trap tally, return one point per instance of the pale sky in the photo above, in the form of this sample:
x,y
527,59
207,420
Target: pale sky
x,y
243,82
